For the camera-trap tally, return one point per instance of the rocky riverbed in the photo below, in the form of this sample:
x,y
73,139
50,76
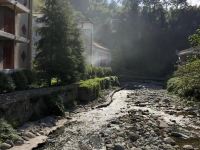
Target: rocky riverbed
x,y
141,117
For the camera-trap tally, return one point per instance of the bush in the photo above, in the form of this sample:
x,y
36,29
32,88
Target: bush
x,y
90,89
55,104
20,80
97,72
186,81
30,76
7,132
6,83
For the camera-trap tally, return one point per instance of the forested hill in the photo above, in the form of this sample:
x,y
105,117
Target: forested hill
x,y
146,34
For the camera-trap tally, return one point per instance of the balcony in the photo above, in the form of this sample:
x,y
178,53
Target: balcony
x,y
21,39
15,6
6,35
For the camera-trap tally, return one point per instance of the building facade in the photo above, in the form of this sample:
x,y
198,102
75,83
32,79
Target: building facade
x,y
184,55
15,34
94,54
86,27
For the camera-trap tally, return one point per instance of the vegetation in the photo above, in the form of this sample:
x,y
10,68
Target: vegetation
x,y
55,104
186,80
60,48
6,83
20,80
90,89
143,35
7,132
93,72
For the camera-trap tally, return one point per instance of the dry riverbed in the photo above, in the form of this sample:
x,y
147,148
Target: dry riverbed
x,y
142,117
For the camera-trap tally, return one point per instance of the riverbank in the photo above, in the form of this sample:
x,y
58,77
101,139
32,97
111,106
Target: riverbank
x,y
35,133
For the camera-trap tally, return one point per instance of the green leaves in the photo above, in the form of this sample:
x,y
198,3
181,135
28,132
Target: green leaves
x,y
195,38
60,48
186,81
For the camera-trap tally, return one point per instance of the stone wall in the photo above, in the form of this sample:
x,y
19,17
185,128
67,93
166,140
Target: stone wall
x,y
22,106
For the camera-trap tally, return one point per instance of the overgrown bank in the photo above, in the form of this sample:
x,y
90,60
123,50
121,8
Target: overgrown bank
x,y
41,104
186,81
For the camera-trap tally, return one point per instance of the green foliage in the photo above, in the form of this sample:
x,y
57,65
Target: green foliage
x,y
55,104
93,72
90,89
60,48
195,38
6,83
20,80
7,132
145,35
30,75
186,81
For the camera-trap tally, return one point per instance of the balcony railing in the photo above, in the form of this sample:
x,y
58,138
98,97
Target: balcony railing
x,y
8,36
15,6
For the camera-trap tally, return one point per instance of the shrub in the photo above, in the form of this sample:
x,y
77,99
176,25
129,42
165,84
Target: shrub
x,y
6,83
7,132
186,81
55,104
97,72
30,76
90,89
20,80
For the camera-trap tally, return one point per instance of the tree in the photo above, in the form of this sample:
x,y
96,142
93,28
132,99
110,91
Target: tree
x,y
60,48
195,38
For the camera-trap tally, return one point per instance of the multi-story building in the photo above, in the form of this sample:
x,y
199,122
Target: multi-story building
x,y
95,54
15,34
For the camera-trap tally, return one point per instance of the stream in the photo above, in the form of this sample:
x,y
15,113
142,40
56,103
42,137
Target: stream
x,y
141,117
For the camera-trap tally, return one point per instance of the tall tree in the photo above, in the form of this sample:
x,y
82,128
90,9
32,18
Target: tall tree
x,y
59,49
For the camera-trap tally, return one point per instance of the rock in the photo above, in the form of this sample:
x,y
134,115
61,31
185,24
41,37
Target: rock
x,y
179,135
166,100
188,147
109,146
10,142
163,124
5,146
133,137
118,147
19,142
85,147
25,138
29,135
134,148
169,140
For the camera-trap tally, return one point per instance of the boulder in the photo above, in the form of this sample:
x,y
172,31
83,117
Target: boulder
x,y
5,146
188,147
169,140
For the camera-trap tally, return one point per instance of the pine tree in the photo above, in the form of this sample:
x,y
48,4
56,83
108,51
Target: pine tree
x,y
59,51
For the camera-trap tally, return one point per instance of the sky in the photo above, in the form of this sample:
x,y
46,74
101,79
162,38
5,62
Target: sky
x,y
194,2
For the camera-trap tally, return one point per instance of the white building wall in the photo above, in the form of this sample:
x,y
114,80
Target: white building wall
x,y
21,29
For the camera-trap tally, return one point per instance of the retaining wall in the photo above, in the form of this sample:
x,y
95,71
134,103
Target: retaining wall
x,y
22,106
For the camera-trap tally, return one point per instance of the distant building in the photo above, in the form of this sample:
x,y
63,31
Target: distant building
x,y
95,54
86,27
101,56
187,53
15,34
35,35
